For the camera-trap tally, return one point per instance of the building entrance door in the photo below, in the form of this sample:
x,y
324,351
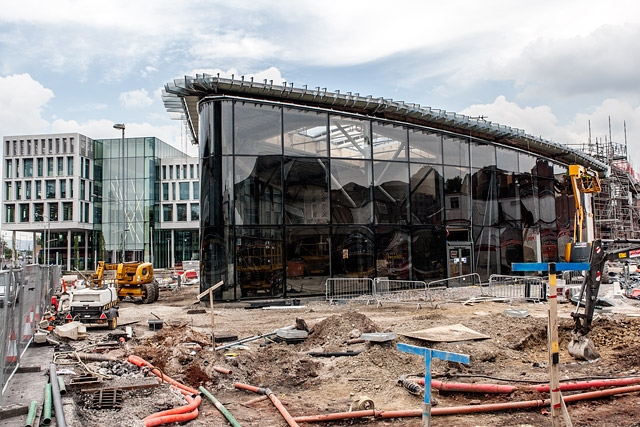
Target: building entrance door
x,y
460,263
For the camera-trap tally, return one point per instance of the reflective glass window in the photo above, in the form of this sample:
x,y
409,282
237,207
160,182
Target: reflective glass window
x,y
427,199
455,151
258,190
259,261
307,194
195,212
181,212
392,260
389,141
482,155
258,129
353,252
349,137
457,195
390,189
351,192
305,133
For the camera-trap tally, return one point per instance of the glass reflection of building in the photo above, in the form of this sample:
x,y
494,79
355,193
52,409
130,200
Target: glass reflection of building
x,y
293,194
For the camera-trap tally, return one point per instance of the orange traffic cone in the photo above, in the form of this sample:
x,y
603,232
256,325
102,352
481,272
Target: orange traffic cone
x,y
32,316
26,330
12,349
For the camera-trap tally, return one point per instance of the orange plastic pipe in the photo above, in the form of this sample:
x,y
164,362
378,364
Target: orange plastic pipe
x,y
542,388
582,385
143,363
222,370
190,406
472,387
274,399
465,409
175,418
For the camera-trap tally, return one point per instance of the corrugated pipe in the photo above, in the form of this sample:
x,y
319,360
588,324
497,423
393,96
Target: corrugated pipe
x,y
274,399
494,407
31,415
220,407
55,394
175,415
143,363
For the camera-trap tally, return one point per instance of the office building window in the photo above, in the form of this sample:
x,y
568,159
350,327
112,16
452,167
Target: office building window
x,y
50,166
8,167
195,212
69,165
181,210
40,162
28,168
60,165
27,190
67,211
167,212
196,190
53,211
38,190
7,190
51,188
165,191
184,191
63,188
24,212
10,213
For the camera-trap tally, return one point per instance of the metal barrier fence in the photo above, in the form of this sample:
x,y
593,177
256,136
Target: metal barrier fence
x,y
25,294
399,290
455,281
348,288
531,288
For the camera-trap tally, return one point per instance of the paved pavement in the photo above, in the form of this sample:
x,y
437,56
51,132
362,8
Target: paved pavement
x,y
27,385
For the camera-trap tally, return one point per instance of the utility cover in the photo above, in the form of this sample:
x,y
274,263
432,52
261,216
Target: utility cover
x,y
449,333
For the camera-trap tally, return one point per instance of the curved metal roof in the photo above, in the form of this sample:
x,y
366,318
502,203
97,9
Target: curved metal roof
x,y
182,96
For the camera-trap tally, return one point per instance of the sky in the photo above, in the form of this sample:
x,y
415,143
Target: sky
x,y
563,70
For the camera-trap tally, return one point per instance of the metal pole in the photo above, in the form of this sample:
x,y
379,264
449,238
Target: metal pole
x,y
121,126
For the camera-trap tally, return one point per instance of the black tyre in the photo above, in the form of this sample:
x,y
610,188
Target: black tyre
x,y
150,293
156,288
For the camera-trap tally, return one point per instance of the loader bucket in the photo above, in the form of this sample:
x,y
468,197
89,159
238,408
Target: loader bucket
x,y
581,347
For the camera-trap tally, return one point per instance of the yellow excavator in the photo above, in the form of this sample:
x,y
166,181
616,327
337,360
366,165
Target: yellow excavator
x,y
132,279
584,249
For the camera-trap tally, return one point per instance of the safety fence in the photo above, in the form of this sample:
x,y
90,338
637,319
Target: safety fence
x,y
530,288
25,295
381,289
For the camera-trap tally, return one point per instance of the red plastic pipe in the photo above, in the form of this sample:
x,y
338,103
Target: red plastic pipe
x,y
472,387
222,370
274,399
542,388
582,385
465,409
143,363
175,418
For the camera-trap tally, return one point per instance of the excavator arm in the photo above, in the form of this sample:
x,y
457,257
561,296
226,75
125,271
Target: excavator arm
x,y
580,346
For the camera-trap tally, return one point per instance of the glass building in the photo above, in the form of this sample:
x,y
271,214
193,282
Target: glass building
x,y
302,185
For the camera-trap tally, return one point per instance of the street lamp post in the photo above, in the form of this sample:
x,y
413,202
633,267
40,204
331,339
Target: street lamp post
x,y
122,187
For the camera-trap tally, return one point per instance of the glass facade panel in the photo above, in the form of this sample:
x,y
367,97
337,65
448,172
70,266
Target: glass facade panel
x,y
427,194
425,146
258,190
353,252
349,137
351,192
305,133
259,261
307,195
455,150
390,188
258,129
392,256
389,141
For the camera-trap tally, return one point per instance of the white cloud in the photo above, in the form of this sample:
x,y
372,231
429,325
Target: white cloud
x,y
23,102
136,99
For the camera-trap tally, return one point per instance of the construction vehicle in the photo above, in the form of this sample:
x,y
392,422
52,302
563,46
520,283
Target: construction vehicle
x,y
94,307
132,279
580,346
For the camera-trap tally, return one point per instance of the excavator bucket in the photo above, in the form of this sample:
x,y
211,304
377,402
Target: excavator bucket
x,y
581,347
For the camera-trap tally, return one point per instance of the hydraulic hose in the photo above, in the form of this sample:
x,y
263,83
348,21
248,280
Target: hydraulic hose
x,y
31,415
220,407
143,363
465,409
274,399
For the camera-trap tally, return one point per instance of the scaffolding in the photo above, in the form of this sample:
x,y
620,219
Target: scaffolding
x,y
616,208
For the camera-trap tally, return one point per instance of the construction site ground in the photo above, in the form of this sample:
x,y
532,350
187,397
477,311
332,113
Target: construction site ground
x,y
515,353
